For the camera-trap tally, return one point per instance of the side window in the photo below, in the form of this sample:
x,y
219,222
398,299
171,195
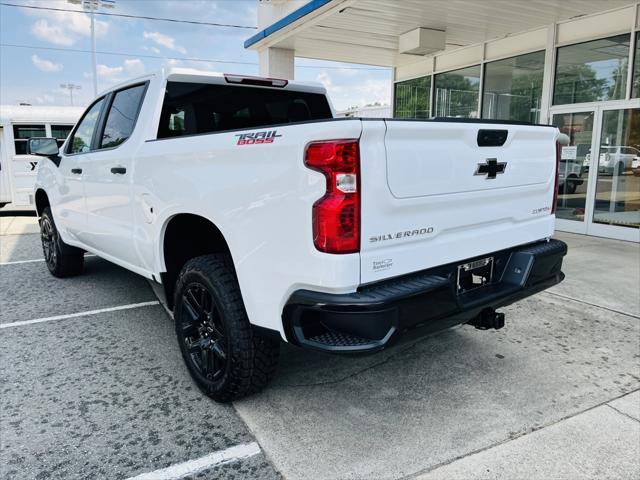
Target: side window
x,y
122,116
81,139
60,133
22,134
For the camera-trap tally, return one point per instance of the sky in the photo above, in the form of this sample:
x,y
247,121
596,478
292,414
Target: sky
x,y
42,49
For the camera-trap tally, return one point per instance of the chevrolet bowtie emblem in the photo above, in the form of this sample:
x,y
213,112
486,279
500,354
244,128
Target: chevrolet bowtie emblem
x,y
491,168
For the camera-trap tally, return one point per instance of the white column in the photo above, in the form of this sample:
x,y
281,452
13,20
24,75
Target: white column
x,y
277,63
548,75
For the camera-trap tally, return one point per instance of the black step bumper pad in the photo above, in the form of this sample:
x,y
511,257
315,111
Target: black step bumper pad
x,y
379,314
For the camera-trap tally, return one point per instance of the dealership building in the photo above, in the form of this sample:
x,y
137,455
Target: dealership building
x,y
571,63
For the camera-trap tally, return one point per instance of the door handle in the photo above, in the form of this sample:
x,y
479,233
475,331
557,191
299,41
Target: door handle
x,y
119,170
77,171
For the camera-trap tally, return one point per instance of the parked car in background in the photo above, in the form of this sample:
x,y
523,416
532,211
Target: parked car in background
x,y
18,170
635,165
617,159
266,219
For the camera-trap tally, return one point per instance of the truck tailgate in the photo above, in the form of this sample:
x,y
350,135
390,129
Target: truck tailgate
x,y
431,159
452,194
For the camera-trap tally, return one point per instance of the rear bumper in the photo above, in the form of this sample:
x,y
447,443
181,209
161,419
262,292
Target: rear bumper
x,y
379,314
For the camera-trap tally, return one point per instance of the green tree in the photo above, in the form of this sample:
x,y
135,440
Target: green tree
x,y
456,95
526,91
617,89
413,98
577,84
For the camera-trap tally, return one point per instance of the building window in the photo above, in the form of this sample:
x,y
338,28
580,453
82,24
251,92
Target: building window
x,y
513,88
592,71
457,93
22,134
60,133
413,98
636,71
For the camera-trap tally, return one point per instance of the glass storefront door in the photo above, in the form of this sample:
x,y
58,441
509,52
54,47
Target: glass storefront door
x,y
574,167
599,184
617,200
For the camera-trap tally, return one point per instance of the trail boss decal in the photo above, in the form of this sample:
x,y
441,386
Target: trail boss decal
x,y
266,136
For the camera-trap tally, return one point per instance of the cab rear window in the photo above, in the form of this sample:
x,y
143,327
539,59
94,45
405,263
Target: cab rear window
x,y
194,108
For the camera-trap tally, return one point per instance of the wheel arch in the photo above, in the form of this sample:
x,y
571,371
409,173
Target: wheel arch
x,y
185,236
42,201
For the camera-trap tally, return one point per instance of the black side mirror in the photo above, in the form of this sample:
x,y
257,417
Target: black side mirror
x,y
45,147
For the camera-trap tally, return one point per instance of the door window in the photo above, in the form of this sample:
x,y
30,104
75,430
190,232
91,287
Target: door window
x,y
617,199
22,134
122,116
82,137
575,160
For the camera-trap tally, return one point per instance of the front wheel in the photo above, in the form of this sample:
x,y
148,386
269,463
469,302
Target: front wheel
x,y
224,356
62,260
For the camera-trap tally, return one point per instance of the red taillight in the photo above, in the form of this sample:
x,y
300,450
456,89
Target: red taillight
x,y
555,191
336,216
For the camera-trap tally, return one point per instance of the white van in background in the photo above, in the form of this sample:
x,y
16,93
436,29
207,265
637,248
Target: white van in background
x,y
18,170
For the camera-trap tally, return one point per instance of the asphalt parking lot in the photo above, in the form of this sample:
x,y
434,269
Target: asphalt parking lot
x,y
555,394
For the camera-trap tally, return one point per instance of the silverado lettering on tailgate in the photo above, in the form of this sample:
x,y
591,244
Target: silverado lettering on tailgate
x,y
406,233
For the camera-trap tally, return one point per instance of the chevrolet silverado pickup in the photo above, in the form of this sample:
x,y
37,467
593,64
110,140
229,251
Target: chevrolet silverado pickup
x,y
265,219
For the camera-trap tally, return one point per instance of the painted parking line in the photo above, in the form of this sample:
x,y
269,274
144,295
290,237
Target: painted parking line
x,y
191,467
22,261
80,314
32,261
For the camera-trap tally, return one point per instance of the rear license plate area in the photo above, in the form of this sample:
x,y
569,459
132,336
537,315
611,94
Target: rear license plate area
x,y
474,275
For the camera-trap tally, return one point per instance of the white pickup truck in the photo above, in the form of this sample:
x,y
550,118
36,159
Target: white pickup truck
x,y
268,220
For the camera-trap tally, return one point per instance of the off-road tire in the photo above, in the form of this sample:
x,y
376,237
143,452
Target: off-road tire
x,y
250,358
62,260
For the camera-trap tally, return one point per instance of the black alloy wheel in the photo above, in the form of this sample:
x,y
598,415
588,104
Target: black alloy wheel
x,y
47,233
226,357
203,332
61,259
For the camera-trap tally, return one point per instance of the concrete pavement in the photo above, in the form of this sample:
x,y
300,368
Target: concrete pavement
x,y
602,272
10,225
599,443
